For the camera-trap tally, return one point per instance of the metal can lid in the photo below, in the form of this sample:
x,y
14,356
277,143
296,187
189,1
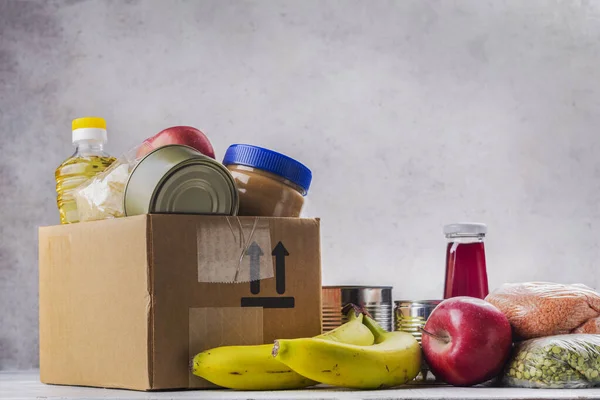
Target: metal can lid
x,y
196,187
179,179
355,287
417,303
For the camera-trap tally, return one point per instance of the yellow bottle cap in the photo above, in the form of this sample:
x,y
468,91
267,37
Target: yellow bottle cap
x,y
89,122
89,128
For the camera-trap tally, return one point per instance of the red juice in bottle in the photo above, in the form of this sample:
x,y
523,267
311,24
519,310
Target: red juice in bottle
x,y
466,273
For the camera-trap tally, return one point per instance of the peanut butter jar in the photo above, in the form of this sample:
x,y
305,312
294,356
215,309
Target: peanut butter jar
x,y
270,184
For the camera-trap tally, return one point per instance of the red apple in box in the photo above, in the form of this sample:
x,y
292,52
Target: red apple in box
x,y
185,135
466,341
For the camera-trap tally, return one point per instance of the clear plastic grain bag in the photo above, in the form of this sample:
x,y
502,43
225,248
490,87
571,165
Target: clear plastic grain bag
x,y
102,197
563,361
537,309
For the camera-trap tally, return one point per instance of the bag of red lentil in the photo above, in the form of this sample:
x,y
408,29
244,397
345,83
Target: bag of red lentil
x,y
536,309
564,362
591,326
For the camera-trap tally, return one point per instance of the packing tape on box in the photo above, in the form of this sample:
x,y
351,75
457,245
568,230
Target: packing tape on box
x,y
238,252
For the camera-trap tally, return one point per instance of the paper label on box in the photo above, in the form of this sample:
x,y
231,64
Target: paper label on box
x,y
238,252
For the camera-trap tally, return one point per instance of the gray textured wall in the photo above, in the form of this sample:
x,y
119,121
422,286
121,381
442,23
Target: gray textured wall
x,y
410,113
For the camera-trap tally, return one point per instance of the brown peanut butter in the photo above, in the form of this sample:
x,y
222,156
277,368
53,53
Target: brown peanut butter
x,y
265,194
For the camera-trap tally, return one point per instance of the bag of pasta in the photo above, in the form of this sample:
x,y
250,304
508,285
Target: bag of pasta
x,y
563,361
537,309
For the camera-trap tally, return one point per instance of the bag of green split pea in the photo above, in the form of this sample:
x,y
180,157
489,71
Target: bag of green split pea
x,y
563,361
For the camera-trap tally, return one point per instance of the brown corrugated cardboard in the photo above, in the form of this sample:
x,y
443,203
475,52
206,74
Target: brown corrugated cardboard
x,y
126,302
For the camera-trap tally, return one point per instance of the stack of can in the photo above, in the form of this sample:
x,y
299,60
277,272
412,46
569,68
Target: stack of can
x,y
377,300
411,316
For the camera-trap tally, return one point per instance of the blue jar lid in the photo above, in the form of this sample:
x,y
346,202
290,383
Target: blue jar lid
x,y
270,161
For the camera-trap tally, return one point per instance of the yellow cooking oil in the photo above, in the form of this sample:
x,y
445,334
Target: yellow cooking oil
x,y
89,159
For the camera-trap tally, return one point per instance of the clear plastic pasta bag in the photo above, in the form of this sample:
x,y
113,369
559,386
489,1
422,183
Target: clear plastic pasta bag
x,y
102,197
537,309
563,361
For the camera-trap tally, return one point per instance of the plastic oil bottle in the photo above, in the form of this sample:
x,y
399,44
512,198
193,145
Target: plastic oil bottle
x,y
89,137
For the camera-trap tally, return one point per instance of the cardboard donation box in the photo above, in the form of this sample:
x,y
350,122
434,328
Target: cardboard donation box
x,y
127,302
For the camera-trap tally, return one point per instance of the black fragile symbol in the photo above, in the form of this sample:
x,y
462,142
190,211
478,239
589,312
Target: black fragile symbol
x,y
280,253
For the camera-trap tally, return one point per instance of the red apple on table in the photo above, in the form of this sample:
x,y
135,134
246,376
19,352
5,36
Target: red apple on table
x,y
466,341
185,135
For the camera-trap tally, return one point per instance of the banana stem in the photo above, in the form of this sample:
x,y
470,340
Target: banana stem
x,y
375,328
352,307
440,338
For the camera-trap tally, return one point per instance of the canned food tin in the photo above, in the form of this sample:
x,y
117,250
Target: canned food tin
x,y
180,179
411,316
377,300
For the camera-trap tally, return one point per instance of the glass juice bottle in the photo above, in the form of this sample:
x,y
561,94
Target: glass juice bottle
x,y
466,273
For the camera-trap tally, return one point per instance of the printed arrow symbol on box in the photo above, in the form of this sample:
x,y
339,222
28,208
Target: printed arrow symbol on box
x,y
280,254
254,251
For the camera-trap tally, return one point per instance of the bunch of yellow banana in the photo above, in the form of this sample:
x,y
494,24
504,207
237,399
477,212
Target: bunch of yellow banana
x,y
255,368
359,354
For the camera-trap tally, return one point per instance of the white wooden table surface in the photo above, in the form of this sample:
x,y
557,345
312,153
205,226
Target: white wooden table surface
x,y
26,385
